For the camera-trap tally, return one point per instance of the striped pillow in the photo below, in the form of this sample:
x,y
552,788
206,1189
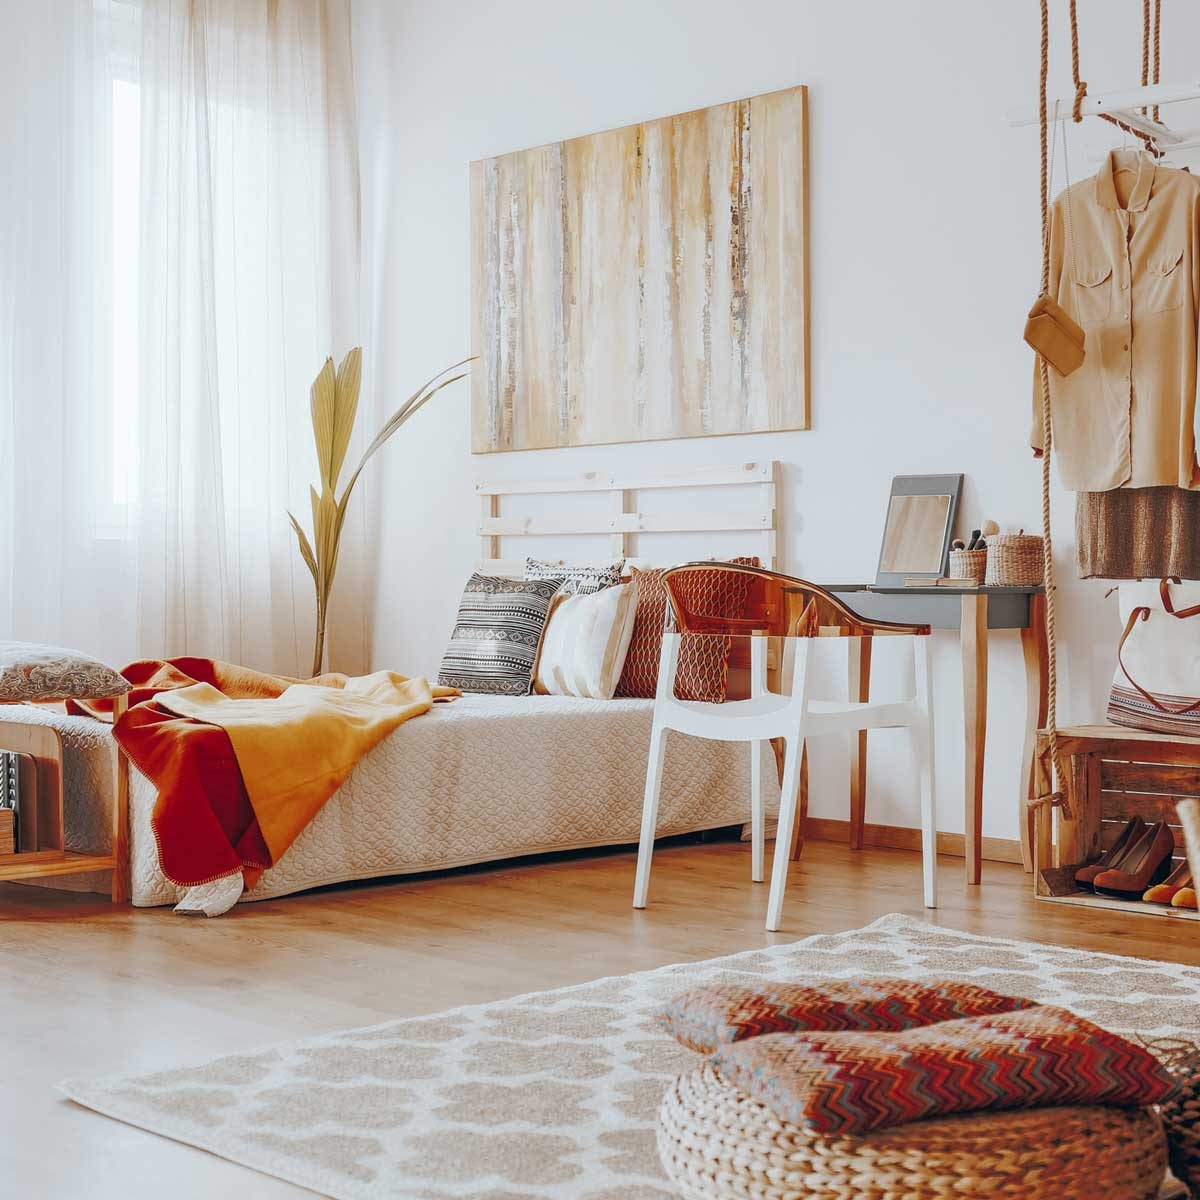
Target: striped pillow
x,y
577,581
494,644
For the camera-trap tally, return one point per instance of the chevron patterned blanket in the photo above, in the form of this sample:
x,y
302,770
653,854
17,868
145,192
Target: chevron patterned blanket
x,y
855,1059
706,1018
856,1082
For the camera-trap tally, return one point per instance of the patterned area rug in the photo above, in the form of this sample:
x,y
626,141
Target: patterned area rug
x,y
554,1094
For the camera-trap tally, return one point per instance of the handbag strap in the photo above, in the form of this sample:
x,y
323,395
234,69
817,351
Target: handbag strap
x,y
1142,613
1165,592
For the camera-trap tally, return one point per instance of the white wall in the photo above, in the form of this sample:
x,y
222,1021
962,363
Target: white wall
x,y
924,261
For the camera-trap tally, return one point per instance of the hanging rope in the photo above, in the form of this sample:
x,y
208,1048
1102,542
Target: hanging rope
x,y
1149,37
1157,29
1145,43
1056,796
1151,23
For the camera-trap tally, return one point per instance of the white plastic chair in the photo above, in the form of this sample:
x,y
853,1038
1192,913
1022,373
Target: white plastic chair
x,y
777,606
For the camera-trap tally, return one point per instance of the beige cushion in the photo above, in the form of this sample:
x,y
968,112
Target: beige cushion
x,y
585,643
32,671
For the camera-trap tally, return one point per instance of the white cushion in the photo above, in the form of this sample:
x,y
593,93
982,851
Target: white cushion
x,y
585,643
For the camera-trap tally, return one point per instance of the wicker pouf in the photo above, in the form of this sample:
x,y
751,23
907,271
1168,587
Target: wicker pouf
x,y
1181,1113
715,1141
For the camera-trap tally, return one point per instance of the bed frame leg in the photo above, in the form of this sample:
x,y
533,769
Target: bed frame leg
x,y
120,833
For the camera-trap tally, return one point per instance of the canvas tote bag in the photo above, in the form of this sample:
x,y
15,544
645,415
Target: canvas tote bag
x,y
1156,684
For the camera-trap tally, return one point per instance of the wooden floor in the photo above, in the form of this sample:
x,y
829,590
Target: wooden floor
x,y
88,989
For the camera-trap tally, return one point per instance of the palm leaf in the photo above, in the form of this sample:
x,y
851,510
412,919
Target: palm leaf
x,y
398,418
328,535
323,404
405,410
349,379
318,540
306,551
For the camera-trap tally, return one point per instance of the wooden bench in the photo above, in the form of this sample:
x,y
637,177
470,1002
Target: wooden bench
x,y
40,829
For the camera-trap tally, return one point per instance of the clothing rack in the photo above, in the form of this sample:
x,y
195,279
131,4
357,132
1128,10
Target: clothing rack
x,y
1127,106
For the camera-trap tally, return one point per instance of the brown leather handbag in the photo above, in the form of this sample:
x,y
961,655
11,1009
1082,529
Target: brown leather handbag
x,y
1055,335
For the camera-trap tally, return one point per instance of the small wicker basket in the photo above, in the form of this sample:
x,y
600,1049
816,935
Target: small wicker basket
x,y
717,1143
968,564
1014,560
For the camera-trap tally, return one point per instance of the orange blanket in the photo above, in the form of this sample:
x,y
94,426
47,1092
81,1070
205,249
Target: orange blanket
x,y
243,760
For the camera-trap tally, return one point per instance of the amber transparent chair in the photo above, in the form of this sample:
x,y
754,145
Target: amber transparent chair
x,y
771,605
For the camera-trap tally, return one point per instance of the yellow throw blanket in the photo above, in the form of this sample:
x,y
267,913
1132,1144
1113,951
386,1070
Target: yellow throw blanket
x,y
295,750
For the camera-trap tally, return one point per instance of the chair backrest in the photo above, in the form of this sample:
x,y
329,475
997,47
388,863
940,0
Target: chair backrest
x,y
730,600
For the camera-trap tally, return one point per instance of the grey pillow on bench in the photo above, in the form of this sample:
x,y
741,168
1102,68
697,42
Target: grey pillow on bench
x,y
33,671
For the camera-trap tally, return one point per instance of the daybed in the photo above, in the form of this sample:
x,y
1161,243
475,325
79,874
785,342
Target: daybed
x,y
482,779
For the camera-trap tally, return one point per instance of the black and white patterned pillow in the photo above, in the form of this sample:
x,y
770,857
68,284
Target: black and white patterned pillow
x,y
577,581
496,634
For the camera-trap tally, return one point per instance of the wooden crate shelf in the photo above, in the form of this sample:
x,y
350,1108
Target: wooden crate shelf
x,y
1114,774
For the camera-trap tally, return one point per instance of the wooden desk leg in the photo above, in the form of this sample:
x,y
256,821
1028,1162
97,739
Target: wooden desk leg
x,y
974,636
1033,646
858,689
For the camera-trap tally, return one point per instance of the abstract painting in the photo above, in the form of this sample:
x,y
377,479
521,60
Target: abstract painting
x,y
648,282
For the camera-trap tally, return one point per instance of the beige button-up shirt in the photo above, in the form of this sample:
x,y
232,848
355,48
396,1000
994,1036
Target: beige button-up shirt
x,y
1124,262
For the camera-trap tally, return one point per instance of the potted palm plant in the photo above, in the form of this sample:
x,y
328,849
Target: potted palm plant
x,y
334,405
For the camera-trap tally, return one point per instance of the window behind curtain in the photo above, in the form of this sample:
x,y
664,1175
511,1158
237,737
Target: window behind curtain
x,y
118,248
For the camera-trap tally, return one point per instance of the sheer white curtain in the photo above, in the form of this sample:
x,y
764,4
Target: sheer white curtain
x,y
64,563
184,263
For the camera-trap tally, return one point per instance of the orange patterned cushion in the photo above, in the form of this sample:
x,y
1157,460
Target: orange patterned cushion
x,y
703,661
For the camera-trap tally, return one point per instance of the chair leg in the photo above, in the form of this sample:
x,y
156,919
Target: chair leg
x,y
757,814
800,828
654,769
923,736
783,835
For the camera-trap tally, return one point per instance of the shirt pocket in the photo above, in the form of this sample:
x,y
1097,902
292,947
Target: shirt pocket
x,y
1166,280
1092,286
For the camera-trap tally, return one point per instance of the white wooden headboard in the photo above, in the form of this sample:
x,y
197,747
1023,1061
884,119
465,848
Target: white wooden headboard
x,y
622,521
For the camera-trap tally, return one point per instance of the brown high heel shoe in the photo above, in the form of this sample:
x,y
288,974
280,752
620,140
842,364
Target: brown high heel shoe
x,y
1085,877
1147,863
1165,892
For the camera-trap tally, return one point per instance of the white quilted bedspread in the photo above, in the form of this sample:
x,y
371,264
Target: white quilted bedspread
x,y
484,778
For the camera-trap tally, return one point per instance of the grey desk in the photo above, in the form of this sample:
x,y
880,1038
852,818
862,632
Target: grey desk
x,y
973,612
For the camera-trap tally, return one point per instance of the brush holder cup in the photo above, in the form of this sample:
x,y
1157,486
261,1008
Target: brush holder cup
x,y
968,564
